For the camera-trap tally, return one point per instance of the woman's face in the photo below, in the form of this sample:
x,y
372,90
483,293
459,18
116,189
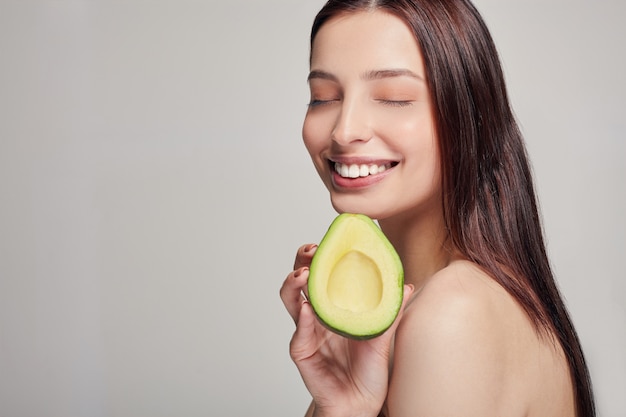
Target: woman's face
x,y
369,127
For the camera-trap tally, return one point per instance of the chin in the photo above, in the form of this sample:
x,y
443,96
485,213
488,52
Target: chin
x,y
363,205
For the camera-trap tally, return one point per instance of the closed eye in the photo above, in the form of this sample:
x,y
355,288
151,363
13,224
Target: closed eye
x,y
317,103
396,103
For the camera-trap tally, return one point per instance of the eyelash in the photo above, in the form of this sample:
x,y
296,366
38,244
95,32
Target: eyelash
x,y
391,103
317,103
396,103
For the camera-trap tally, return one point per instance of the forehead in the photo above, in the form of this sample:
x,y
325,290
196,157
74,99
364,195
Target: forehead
x,y
367,40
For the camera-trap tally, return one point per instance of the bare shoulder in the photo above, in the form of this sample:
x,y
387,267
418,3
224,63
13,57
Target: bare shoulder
x,y
462,306
461,285
465,347
462,301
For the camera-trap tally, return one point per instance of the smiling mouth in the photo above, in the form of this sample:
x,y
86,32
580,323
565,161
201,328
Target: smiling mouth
x,y
360,170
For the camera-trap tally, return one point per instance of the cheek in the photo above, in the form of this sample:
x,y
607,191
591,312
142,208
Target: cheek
x,y
414,134
315,140
419,144
313,135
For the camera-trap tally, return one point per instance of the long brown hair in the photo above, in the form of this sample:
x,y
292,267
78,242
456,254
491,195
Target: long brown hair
x,y
489,200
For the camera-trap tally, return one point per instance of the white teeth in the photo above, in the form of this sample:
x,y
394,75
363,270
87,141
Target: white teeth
x,y
356,171
343,170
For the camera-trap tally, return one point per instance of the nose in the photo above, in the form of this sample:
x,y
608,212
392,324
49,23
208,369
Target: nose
x,y
353,123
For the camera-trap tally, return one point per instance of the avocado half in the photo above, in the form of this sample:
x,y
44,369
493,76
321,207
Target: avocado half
x,y
356,279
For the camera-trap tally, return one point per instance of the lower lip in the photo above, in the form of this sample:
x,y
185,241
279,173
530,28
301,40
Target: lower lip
x,y
360,182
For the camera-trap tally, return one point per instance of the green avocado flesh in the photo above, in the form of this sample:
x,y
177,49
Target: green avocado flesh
x,y
356,280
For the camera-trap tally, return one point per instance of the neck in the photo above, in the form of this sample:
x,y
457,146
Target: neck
x,y
422,245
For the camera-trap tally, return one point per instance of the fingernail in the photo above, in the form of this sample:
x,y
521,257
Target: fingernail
x,y
299,271
310,247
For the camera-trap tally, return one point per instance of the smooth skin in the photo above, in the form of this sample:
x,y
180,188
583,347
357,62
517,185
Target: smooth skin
x,y
461,346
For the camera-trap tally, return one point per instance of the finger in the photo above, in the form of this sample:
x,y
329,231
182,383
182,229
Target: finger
x,y
291,292
303,344
304,255
409,289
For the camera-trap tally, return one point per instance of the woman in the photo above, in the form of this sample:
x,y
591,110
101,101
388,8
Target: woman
x,y
409,123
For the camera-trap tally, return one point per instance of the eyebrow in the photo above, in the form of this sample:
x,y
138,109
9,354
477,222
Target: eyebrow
x,y
390,73
322,75
368,76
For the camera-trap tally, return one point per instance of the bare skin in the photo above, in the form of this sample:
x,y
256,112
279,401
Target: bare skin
x,y
461,346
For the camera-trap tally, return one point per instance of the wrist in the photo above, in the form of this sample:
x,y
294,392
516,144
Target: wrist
x,y
321,412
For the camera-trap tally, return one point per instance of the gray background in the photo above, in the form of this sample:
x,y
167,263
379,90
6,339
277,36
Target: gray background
x,y
154,188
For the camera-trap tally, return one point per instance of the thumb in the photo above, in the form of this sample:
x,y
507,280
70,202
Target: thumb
x,y
409,290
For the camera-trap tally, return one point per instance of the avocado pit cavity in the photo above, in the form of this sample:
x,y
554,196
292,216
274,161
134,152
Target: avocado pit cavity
x,y
355,283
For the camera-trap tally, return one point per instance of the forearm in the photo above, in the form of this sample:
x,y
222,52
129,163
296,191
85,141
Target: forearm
x,y
311,410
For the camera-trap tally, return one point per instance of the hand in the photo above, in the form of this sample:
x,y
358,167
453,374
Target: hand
x,y
345,377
